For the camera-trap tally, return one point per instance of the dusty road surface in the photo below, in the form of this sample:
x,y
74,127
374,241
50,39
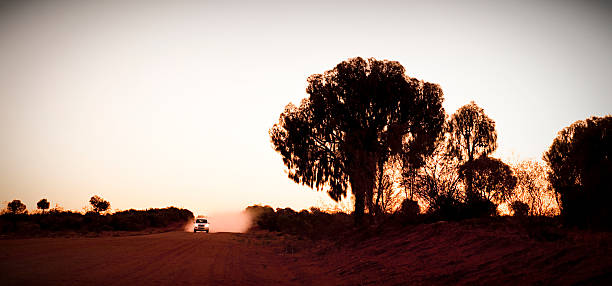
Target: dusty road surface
x,y
457,253
173,258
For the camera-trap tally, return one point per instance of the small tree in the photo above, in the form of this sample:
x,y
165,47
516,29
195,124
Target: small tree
x,y
492,179
533,188
437,181
16,207
388,197
43,205
99,205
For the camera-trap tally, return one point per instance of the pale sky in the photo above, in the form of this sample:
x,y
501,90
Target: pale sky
x,y
160,103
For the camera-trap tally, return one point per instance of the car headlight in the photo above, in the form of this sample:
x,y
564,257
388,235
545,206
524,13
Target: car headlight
x,y
206,225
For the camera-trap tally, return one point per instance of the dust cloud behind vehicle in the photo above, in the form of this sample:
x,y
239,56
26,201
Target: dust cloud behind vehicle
x,y
237,221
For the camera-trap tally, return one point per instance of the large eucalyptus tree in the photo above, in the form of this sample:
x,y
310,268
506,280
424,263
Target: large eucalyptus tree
x,y
357,115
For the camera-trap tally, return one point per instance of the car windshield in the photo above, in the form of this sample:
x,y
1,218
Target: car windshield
x,y
201,220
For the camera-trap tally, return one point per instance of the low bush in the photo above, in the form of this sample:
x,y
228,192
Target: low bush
x,y
451,209
519,209
313,223
409,212
477,206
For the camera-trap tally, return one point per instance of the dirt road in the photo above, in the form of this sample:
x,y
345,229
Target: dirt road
x,y
458,253
174,258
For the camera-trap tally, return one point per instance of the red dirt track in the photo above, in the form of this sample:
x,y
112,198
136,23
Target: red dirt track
x,y
434,254
173,258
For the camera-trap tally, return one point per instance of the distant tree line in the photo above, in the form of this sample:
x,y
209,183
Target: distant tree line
x,y
98,204
17,220
369,129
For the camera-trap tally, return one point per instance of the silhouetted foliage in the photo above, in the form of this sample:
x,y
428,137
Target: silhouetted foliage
x,y
580,171
409,210
438,184
472,206
519,208
491,178
16,207
472,134
57,221
445,207
478,206
533,188
410,207
43,205
99,205
456,154
437,180
263,216
387,197
313,224
357,115
139,219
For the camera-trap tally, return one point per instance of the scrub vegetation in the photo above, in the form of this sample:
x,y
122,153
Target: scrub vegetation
x,y
16,221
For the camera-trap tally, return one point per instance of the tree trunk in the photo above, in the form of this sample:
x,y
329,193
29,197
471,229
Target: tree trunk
x,y
362,177
378,191
362,186
469,180
359,205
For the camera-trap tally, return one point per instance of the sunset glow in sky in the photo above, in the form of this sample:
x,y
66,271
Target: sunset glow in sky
x,y
159,103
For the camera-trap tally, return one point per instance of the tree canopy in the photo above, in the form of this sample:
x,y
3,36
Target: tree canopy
x,y
492,178
99,205
357,115
43,204
472,132
16,207
580,161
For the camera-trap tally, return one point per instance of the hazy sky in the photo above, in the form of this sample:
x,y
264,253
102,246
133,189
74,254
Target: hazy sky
x,y
152,104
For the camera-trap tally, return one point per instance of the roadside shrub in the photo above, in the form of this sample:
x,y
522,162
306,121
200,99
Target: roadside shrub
x,y
59,220
519,209
94,221
448,208
313,224
477,206
409,211
263,217
410,208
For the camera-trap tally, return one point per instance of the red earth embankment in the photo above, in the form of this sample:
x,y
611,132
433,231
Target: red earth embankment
x,y
473,253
